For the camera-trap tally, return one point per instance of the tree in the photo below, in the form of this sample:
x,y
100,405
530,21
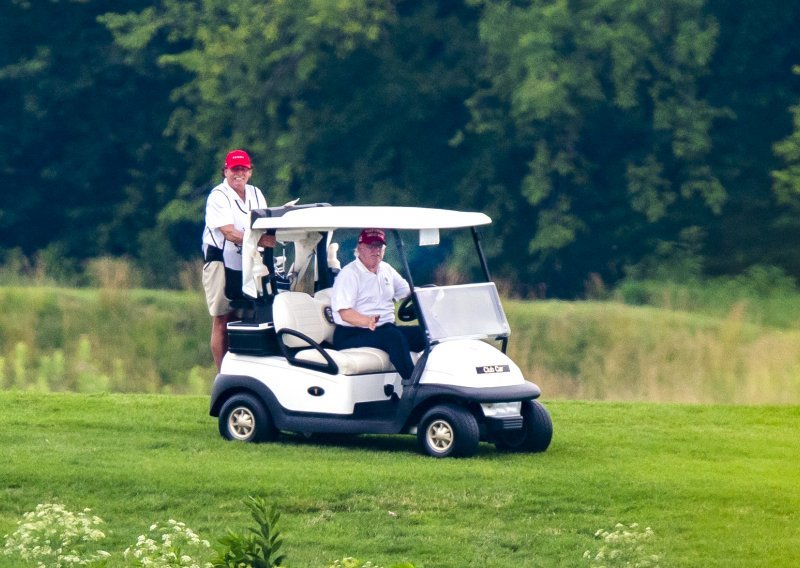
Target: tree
x,y
787,180
77,136
751,76
600,136
347,102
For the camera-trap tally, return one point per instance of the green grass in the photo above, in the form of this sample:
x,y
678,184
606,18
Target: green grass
x,y
762,295
719,485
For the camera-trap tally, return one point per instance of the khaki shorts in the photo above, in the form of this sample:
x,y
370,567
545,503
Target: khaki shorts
x,y
214,286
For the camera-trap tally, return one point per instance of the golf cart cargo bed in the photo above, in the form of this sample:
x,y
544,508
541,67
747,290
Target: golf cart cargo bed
x,y
252,339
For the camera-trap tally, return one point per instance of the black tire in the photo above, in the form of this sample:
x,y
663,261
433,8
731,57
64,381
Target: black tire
x,y
243,418
448,430
535,434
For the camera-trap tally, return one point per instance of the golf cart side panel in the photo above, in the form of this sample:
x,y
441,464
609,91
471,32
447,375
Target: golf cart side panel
x,y
366,419
305,390
511,393
470,363
368,423
226,385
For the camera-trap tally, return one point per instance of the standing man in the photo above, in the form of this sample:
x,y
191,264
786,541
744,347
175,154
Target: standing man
x,y
227,215
363,305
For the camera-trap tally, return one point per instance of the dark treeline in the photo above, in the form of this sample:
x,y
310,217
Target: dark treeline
x,y
606,138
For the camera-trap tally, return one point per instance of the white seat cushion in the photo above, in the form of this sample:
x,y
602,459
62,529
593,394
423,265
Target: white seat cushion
x,y
324,296
301,312
355,361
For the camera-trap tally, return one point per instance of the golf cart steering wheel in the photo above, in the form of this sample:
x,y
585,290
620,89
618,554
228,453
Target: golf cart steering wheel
x,y
407,310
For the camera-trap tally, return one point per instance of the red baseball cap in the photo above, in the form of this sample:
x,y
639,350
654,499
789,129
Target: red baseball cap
x,y
237,158
369,236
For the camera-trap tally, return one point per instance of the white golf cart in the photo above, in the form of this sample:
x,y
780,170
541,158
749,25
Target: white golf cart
x,y
282,373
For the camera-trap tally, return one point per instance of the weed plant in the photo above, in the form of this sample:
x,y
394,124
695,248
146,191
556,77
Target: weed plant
x,y
53,537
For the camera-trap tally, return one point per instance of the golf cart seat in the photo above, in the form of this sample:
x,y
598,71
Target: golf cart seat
x,y
304,327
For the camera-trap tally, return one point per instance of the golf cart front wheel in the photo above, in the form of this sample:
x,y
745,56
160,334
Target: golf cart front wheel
x,y
448,430
243,418
535,434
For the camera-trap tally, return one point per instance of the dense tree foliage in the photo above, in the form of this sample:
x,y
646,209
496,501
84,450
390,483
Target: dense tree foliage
x,y
751,78
85,164
603,136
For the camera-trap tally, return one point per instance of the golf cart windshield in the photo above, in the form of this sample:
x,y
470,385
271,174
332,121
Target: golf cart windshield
x,y
467,311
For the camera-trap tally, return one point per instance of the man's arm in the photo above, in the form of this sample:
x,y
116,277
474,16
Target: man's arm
x,y
236,236
354,318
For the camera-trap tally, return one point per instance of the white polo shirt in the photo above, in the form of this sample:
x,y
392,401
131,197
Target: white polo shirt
x,y
225,207
368,293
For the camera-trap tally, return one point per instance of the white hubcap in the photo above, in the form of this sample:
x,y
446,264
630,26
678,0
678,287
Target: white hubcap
x,y
241,423
440,436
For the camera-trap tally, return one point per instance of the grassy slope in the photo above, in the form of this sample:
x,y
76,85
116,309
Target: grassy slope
x,y
611,351
118,340
719,485
156,341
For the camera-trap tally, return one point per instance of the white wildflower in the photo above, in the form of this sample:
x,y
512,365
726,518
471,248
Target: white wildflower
x,y
623,546
170,544
54,537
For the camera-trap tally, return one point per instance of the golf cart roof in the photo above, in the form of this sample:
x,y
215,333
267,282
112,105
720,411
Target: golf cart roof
x,y
328,218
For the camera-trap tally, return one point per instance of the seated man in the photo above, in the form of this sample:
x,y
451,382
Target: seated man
x,y
363,305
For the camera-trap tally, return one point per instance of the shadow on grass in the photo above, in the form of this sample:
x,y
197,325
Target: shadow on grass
x,y
394,443
388,443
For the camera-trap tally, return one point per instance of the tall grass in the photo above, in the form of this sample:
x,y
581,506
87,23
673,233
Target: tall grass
x,y
729,347
119,340
48,267
762,295
593,350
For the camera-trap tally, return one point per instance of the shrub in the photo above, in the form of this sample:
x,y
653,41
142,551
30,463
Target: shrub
x,y
260,546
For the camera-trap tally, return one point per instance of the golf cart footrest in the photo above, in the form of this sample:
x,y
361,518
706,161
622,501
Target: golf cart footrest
x,y
504,423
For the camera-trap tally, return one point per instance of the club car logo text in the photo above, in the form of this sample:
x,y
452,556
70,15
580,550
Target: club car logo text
x,y
490,369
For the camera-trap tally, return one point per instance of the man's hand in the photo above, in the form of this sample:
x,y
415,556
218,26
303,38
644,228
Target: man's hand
x,y
267,241
357,319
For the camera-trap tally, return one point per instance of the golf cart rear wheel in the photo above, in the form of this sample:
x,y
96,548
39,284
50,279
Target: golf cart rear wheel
x,y
448,430
535,434
243,418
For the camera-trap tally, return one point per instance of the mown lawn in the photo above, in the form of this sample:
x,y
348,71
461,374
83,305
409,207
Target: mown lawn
x,y
719,485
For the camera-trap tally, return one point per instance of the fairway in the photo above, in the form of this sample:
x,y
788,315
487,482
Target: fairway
x,y
718,485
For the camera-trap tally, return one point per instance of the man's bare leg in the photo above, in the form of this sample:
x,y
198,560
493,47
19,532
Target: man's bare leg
x,y
219,338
